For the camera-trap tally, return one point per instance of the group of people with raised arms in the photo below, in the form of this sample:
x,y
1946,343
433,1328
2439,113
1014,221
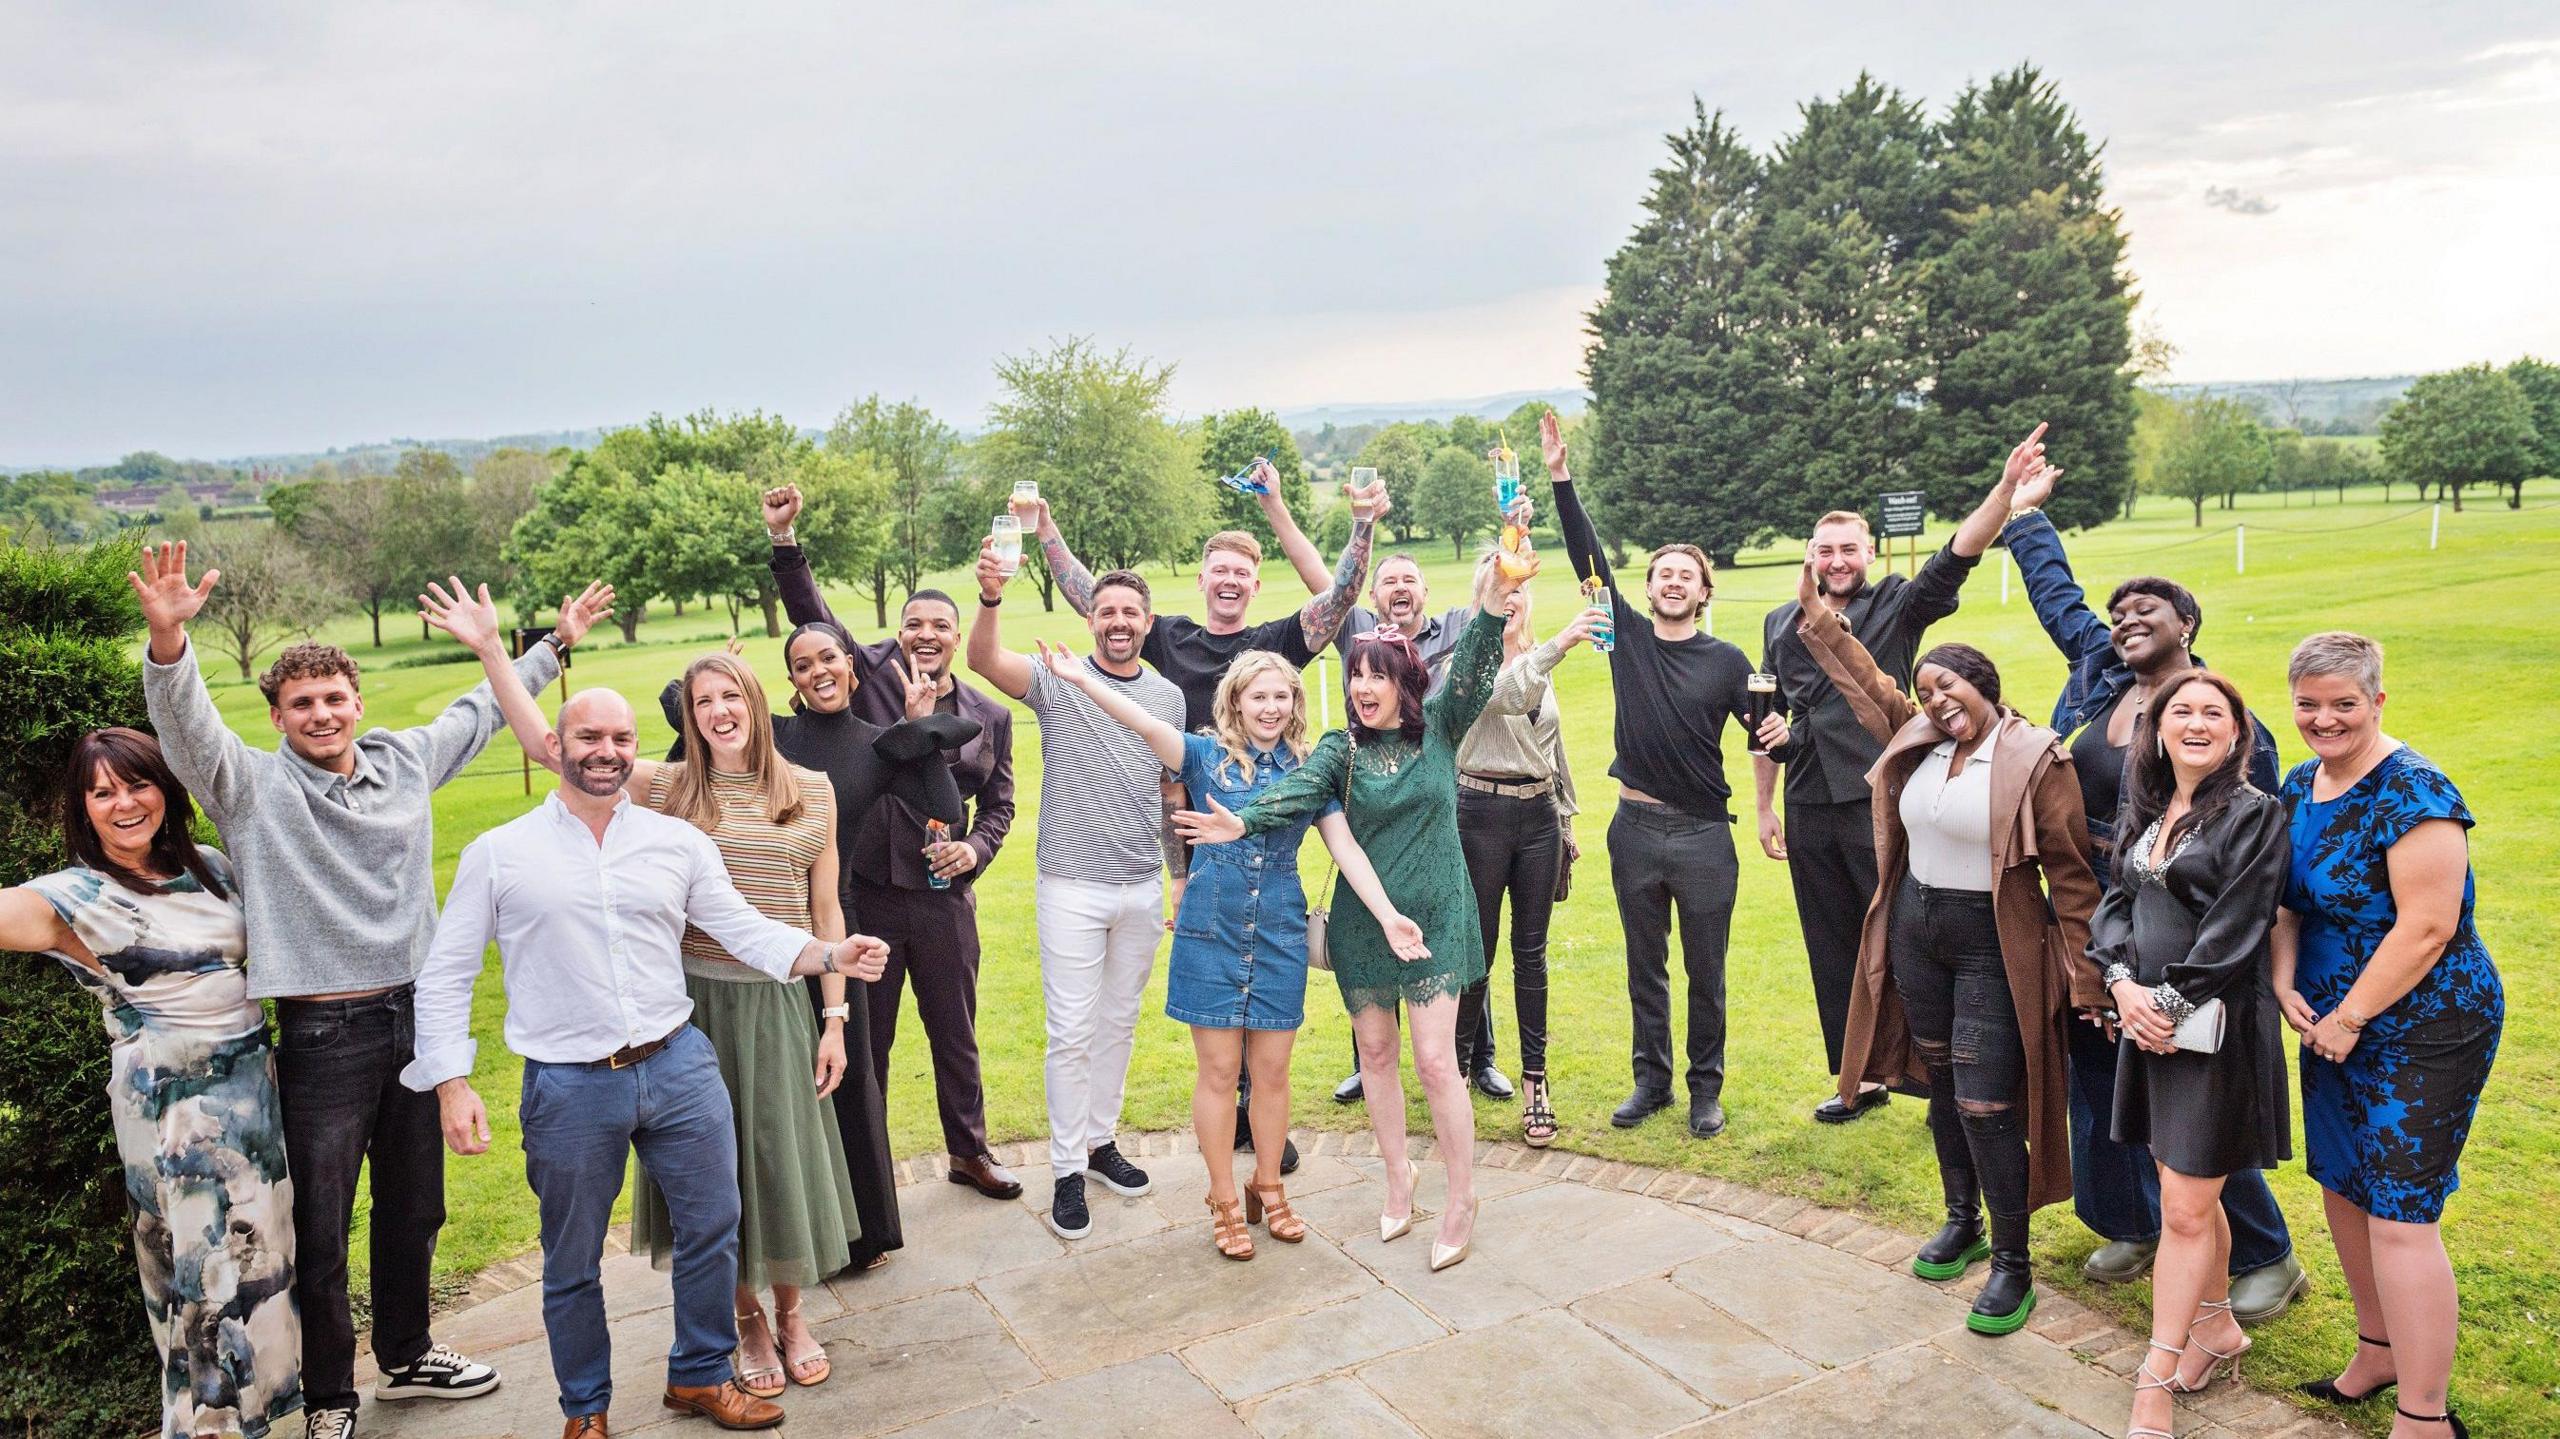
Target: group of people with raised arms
x,y
2081,942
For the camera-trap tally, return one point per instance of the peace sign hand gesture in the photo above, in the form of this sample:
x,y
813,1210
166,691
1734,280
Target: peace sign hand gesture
x,y
916,691
168,601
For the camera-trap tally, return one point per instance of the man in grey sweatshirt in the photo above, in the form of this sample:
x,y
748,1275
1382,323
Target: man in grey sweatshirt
x,y
332,836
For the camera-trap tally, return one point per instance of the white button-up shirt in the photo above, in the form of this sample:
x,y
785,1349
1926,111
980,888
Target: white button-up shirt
x,y
1948,821
587,933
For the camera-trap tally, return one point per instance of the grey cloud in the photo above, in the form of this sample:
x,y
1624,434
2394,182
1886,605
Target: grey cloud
x,y
2231,198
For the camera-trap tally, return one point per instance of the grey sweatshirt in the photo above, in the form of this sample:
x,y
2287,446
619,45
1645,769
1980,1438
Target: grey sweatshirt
x,y
337,873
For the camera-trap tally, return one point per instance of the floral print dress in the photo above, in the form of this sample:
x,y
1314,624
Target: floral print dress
x,y
202,1140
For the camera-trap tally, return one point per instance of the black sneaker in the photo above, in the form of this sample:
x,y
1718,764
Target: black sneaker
x,y
438,1374
329,1424
1068,1218
1117,1174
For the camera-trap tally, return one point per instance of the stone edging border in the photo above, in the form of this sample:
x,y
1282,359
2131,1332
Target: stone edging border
x,y
2237,1408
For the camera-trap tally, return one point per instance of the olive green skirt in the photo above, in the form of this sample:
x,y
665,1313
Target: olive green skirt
x,y
796,1213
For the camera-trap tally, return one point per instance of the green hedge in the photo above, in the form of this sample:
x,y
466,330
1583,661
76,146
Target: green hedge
x,y
78,1356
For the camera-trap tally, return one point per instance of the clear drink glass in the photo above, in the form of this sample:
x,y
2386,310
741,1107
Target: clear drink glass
x,y
1026,493
1604,635
1008,536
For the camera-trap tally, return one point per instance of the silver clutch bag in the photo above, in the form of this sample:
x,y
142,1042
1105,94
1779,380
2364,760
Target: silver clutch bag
x,y
2201,1031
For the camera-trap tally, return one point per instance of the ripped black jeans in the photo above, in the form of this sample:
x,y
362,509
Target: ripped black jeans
x,y
1945,947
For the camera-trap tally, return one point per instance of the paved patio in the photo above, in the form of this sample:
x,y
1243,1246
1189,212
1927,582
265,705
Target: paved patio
x,y
1601,1300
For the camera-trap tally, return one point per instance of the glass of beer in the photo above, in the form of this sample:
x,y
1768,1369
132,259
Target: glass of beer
x,y
1008,536
1760,700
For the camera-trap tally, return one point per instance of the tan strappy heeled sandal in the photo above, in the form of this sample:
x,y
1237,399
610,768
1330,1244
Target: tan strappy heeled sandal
x,y
1270,1209
1227,1229
2212,1370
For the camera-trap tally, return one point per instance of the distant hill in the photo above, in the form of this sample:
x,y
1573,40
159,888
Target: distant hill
x,y
2320,407
1485,407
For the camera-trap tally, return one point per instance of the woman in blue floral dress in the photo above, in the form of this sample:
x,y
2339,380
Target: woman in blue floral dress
x,y
151,924
2380,969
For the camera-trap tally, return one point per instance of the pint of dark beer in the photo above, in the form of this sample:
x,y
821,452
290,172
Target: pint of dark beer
x,y
1760,701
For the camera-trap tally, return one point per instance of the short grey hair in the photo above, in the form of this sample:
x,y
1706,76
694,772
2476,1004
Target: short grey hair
x,y
2338,652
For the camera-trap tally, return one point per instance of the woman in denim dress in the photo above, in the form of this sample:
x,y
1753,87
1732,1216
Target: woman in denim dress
x,y
1238,975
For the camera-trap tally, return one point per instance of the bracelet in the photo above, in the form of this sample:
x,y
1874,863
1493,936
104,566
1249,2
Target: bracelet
x,y
836,1011
827,958
2116,974
2350,1021
789,537
558,645
2171,1003
2017,515
985,603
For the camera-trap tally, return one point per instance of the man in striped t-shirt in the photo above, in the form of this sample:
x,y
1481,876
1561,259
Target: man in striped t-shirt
x,y
1105,842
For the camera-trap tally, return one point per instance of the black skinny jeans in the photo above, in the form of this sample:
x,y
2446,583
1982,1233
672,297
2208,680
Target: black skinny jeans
x,y
338,1067
1945,947
1513,846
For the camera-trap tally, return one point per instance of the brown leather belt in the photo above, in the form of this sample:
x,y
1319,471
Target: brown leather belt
x,y
631,1054
1508,789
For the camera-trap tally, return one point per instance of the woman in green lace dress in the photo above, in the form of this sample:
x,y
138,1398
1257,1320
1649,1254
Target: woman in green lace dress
x,y
1401,794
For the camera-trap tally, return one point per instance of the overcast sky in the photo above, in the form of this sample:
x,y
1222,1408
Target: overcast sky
x,y
229,229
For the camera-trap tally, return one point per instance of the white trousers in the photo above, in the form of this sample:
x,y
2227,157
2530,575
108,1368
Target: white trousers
x,y
1097,944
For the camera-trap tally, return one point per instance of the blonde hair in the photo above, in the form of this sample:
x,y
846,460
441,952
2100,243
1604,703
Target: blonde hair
x,y
1234,542
689,792
1227,711
1845,517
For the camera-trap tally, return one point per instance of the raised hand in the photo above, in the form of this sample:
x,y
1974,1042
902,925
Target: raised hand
x,y
2034,487
1369,501
1218,826
991,575
471,620
1808,588
1551,445
1582,626
2025,460
781,508
1033,511
579,612
1062,663
917,693
1496,585
168,601
1405,938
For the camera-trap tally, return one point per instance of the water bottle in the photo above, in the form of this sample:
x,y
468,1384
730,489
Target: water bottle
x,y
935,832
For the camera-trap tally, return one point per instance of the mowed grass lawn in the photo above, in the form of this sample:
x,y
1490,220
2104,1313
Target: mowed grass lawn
x,y
2472,681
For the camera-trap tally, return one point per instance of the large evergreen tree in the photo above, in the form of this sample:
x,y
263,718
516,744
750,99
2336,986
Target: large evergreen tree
x,y
2026,309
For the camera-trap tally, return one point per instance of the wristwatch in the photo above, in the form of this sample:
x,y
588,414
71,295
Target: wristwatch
x,y
836,1011
985,603
558,645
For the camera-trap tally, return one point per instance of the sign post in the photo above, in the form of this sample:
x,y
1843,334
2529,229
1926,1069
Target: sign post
x,y
1905,513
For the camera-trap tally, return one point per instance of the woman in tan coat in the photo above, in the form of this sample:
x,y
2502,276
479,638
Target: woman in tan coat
x,y
1966,973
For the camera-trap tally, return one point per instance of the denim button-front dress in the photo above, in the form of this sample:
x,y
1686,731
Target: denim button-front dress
x,y
1240,939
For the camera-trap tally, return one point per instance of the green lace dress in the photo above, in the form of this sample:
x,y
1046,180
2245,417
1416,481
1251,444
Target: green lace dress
x,y
1404,811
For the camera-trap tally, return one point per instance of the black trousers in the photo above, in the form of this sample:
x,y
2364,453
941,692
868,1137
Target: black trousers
x,y
1513,846
932,936
1945,949
338,1065
1831,860
1662,860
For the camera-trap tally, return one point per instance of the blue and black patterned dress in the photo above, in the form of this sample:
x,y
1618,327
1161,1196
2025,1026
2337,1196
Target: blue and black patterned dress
x,y
2386,1126
202,1140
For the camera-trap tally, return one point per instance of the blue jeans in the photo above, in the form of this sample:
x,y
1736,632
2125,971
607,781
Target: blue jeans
x,y
581,1123
2115,1188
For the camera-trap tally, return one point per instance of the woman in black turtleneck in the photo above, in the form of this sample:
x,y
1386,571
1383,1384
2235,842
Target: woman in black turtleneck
x,y
865,762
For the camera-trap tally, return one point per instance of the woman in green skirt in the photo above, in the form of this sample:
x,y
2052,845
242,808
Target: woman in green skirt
x,y
775,825
1395,771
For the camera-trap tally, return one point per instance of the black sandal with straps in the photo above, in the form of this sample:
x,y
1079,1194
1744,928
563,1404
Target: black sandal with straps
x,y
1537,1112
2448,1418
2328,1392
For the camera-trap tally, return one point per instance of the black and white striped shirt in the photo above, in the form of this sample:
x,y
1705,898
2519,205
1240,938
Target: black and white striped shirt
x,y
1101,811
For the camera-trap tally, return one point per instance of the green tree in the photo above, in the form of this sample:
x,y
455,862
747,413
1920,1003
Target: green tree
x,y
1688,396
52,503
916,456
1235,439
2472,426
271,591
1455,497
2540,381
372,536
1398,454
2025,310
2213,447
1121,479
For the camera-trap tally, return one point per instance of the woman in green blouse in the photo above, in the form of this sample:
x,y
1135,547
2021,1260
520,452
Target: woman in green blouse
x,y
1395,769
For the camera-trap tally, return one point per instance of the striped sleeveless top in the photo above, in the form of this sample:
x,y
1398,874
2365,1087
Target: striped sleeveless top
x,y
768,862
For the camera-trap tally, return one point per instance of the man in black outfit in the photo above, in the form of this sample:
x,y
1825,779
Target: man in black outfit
x,y
1827,840
1671,842
932,933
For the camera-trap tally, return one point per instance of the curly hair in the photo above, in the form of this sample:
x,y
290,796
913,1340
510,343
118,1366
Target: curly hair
x,y
306,661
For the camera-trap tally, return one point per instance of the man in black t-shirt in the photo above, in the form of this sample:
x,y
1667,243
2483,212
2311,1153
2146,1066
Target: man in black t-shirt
x,y
1194,654
1671,841
1828,840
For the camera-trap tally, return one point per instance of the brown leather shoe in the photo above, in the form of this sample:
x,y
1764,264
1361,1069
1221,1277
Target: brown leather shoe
x,y
986,1176
724,1404
585,1426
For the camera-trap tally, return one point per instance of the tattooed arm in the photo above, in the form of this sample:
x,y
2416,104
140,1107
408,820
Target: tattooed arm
x,y
1075,582
1322,617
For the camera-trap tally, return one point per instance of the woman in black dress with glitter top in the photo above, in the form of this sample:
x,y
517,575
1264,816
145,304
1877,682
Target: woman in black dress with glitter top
x,y
2200,865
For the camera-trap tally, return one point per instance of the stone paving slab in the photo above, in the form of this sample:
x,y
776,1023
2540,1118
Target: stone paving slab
x,y
1601,1298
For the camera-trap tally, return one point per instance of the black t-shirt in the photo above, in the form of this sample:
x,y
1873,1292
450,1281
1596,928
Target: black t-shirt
x,y
1829,753
1182,650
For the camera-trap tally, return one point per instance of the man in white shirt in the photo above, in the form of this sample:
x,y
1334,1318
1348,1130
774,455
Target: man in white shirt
x,y
587,897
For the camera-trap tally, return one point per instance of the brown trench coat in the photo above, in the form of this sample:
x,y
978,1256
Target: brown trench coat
x,y
2038,825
